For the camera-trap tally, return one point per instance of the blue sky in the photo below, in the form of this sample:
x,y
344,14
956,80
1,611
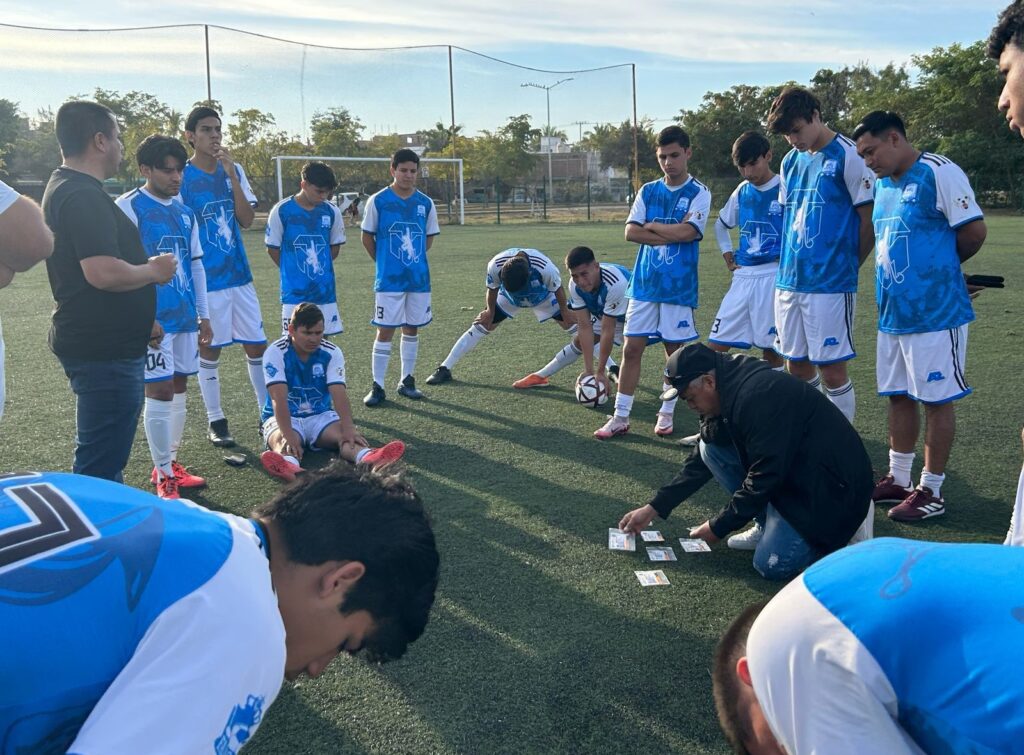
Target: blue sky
x,y
681,50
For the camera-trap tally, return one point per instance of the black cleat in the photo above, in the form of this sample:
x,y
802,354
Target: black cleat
x,y
375,396
441,375
408,388
219,434
613,374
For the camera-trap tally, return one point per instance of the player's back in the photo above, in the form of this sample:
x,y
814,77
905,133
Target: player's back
x,y
543,279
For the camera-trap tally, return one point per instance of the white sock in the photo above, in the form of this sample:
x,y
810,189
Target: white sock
x,y
623,405
667,407
901,466
410,347
563,358
259,383
361,454
379,362
844,399
209,388
177,422
815,382
1015,535
466,343
780,368
933,482
157,422
291,459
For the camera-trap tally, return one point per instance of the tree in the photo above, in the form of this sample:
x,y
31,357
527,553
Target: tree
x,y
335,132
440,136
615,143
849,94
504,154
139,114
255,142
36,152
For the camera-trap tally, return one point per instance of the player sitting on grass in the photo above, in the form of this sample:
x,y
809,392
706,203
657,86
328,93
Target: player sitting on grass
x,y
166,224
307,404
597,296
138,625
516,279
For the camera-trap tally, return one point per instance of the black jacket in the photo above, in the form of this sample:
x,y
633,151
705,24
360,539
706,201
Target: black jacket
x,y
800,452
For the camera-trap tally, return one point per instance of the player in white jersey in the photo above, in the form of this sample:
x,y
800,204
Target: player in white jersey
x,y
827,234
927,223
166,225
215,187
133,624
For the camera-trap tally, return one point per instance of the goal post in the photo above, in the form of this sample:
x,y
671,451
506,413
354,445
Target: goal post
x,y
455,162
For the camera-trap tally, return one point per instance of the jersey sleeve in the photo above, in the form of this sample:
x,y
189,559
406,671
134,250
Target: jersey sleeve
x,y
730,213
370,220
638,212
336,368
195,243
615,299
8,196
954,196
275,228
493,279
575,300
860,180
337,226
551,277
433,228
273,365
124,203
700,208
243,181
782,177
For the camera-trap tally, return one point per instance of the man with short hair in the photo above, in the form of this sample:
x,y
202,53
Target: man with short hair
x,y
216,189
927,224
134,624
104,287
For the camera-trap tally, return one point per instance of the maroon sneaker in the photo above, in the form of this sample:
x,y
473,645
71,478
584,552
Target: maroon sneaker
x,y
920,504
887,491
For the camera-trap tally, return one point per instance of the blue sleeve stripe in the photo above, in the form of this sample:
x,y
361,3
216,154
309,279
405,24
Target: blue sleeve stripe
x,y
965,222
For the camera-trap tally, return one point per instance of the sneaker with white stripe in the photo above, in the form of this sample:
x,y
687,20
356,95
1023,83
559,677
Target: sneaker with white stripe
x,y
920,504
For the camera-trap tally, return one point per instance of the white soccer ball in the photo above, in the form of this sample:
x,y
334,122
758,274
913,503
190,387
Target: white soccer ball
x,y
590,391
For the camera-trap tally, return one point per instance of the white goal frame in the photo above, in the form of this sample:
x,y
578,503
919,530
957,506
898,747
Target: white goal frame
x,y
453,160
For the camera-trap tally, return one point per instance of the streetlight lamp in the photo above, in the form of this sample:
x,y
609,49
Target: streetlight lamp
x,y
547,93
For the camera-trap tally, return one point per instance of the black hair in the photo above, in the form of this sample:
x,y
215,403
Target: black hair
x,y
320,175
404,156
353,513
580,255
673,135
725,684
791,104
78,122
749,147
515,273
1009,30
156,148
306,315
878,122
197,114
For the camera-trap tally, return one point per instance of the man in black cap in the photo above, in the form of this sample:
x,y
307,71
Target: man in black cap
x,y
790,459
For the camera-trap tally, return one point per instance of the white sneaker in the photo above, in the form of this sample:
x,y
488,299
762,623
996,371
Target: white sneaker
x,y
748,540
690,441
614,426
663,426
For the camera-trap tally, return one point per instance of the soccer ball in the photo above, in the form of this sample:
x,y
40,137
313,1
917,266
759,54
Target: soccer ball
x,y
591,392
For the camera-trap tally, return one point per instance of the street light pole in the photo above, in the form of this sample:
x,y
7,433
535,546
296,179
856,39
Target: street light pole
x,y
547,94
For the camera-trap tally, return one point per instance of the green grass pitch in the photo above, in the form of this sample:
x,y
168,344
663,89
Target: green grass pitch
x,y
541,639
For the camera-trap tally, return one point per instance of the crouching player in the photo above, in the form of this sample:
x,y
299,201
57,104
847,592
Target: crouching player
x,y
307,404
166,225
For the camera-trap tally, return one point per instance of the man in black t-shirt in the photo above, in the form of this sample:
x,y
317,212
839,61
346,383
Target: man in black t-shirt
x,y
103,287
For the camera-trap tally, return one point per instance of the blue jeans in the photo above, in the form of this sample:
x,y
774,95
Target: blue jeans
x,y
782,553
109,400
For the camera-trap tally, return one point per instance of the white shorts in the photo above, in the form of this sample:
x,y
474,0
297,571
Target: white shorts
x,y
394,309
746,316
818,327
672,323
178,354
619,326
235,316
332,320
543,311
927,367
309,428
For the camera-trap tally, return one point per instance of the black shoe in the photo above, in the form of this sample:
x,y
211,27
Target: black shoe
x,y
613,374
441,375
375,396
408,388
219,434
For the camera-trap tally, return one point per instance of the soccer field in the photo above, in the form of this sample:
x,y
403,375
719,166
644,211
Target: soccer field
x,y
541,639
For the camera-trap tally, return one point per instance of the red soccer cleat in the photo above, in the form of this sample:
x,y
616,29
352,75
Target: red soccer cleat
x,y
279,467
389,453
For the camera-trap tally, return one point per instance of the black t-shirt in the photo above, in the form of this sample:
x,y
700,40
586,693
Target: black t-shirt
x,y
89,323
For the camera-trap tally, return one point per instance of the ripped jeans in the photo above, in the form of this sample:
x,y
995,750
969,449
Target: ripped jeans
x,y
782,553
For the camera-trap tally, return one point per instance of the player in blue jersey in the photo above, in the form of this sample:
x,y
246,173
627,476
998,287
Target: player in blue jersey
x,y
667,221
517,279
927,223
399,226
307,403
304,235
168,226
826,191
215,187
597,298
830,665
138,625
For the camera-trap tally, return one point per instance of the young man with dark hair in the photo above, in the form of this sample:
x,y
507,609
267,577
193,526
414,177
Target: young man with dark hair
x,y
130,620
826,665
399,226
166,224
104,287
304,236
517,279
825,189
927,224
667,221
216,189
307,403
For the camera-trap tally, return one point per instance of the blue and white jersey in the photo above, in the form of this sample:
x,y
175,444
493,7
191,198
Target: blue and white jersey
x,y
855,624
667,273
610,297
400,229
919,283
130,623
168,227
212,200
544,277
308,382
304,238
821,229
757,211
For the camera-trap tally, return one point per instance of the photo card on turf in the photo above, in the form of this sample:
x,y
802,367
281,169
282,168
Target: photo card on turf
x,y
652,536
621,541
661,554
694,545
651,578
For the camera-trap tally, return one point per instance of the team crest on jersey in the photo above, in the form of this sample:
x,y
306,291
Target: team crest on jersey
x,y
683,204
227,182
325,221
421,211
775,208
186,220
829,168
219,220
311,254
270,370
405,243
893,253
909,193
318,370
240,726
964,202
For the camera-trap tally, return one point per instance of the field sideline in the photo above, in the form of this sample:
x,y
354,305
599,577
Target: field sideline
x,y
541,639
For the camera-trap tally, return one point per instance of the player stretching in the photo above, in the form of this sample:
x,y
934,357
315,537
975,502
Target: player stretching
x,y
667,220
826,192
166,225
399,225
304,235
216,189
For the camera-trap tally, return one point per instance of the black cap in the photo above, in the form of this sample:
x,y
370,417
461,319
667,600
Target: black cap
x,y
689,363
